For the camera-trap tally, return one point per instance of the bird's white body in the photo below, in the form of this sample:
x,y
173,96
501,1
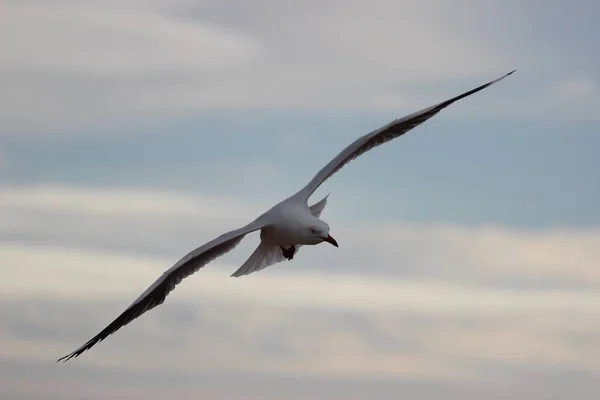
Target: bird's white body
x,y
286,217
282,233
284,228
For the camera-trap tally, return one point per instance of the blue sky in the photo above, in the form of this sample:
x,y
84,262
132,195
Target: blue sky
x,y
134,131
526,174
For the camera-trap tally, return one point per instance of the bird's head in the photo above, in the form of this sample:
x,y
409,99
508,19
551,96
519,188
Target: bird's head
x,y
319,232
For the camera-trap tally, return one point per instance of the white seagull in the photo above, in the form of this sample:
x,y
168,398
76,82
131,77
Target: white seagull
x,y
284,228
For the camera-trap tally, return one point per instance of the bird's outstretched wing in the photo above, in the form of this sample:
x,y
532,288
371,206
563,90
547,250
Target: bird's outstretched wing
x,y
380,136
158,291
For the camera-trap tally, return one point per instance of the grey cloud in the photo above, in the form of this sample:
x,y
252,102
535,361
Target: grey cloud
x,y
252,351
168,225
130,62
157,224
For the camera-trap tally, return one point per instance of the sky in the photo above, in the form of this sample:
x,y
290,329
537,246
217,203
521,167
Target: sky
x,y
133,131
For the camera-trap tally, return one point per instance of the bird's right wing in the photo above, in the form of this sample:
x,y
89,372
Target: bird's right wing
x,y
380,136
158,291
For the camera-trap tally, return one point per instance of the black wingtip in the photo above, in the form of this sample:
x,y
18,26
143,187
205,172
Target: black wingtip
x,y
74,354
503,76
66,358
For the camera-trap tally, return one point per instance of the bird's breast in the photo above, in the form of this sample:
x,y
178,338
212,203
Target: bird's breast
x,y
281,236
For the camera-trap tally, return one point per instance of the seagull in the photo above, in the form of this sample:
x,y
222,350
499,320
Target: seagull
x,y
284,228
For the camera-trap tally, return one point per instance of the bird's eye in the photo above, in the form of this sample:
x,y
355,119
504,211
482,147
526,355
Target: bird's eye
x,y
313,231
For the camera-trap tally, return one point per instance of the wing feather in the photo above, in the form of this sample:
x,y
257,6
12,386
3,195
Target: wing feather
x,y
158,291
380,136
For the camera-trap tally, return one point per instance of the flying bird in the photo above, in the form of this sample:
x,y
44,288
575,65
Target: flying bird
x,y
284,228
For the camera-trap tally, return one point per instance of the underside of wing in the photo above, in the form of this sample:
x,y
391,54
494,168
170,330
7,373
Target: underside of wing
x,y
158,291
264,256
382,135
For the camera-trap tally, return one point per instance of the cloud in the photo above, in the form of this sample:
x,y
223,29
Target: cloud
x,y
141,222
202,337
86,62
495,253
411,308
120,238
428,311
121,32
575,88
99,64
114,201
105,217
126,275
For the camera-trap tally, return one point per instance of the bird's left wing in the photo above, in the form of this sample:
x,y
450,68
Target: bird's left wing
x,y
158,291
380,136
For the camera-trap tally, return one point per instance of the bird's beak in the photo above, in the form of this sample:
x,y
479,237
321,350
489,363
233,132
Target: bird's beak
x,y
331,240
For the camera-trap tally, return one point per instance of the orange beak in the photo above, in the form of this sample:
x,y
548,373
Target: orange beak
x,y
331,240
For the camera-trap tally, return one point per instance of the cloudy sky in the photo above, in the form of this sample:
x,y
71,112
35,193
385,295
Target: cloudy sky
x,y
132,131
